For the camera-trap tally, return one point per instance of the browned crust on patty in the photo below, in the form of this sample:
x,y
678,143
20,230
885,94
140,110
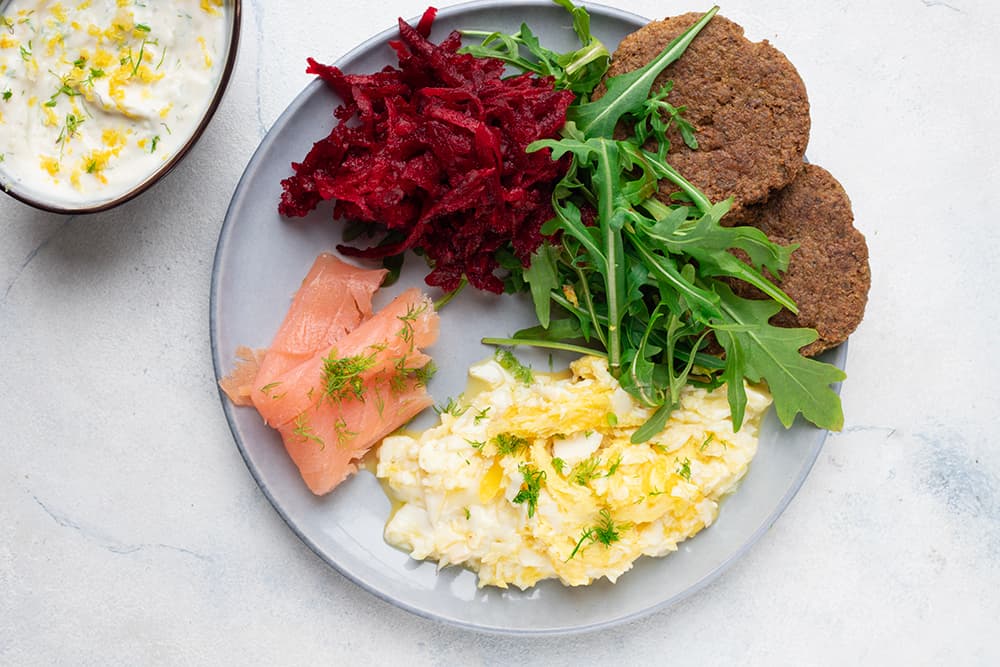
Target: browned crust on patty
x,y
828,276
745,99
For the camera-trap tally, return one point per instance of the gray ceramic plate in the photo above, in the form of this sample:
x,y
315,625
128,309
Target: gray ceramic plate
x,y
260,261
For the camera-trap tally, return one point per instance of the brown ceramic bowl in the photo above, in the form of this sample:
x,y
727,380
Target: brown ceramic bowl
x,y
233,13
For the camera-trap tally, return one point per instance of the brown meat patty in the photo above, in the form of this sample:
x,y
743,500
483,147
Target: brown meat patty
x,y
828,276
745,99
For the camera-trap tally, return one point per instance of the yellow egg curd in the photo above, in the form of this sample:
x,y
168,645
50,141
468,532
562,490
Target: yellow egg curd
x,y
535,476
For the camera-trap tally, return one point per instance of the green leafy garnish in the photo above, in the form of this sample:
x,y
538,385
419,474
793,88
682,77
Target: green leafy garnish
x,y
266,389
342,375
481,415
508,444
585,470
606,532
643,281
342,432
629,91
304,431
533,478
510,363
613,468
408,319
578,71
451,407
684,469
759,351
69,129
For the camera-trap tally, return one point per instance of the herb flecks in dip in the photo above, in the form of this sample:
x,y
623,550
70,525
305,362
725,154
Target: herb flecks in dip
x,y
96,95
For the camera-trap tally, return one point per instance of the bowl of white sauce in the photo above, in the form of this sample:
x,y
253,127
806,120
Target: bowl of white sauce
x,y
99,99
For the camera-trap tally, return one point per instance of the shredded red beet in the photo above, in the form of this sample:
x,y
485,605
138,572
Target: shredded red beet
x,y
433,152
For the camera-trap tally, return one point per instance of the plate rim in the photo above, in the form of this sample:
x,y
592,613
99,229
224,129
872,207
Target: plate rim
x,y
839,359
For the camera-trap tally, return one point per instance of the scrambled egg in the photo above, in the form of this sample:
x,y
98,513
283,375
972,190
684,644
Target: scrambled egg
x,y
535,477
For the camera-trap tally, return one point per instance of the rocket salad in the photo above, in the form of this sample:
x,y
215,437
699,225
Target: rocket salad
x,y
644,279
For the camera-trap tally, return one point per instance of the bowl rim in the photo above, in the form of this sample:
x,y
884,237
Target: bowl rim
x,y
155,177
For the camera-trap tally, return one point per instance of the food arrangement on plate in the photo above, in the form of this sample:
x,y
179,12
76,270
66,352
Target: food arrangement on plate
x,y
682,260
97,97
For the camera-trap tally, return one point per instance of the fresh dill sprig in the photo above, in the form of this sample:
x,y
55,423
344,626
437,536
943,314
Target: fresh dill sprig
x,y
481,414
508,444
684,469
613,468
68,131
424,374
585,470
606,532
342,375
408,319
305,431
342,432
452,407
533,478
510,363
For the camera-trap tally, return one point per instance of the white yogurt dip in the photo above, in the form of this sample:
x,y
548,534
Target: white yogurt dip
x,y
96,95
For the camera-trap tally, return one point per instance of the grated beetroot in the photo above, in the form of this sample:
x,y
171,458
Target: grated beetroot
x,y
433,153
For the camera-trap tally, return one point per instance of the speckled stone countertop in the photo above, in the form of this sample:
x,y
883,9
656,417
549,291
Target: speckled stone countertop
x,y
132,533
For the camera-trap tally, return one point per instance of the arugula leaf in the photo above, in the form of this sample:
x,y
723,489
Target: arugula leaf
x,y
704,239
560,329
657,117
578,71
628,92
542,275
765,352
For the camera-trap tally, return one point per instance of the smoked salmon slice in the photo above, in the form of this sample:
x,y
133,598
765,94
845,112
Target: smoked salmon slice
x,y
333,299
326,445
338,378
377,350
332,408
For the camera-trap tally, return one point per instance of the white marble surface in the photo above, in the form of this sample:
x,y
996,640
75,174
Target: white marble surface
x,y
132,533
